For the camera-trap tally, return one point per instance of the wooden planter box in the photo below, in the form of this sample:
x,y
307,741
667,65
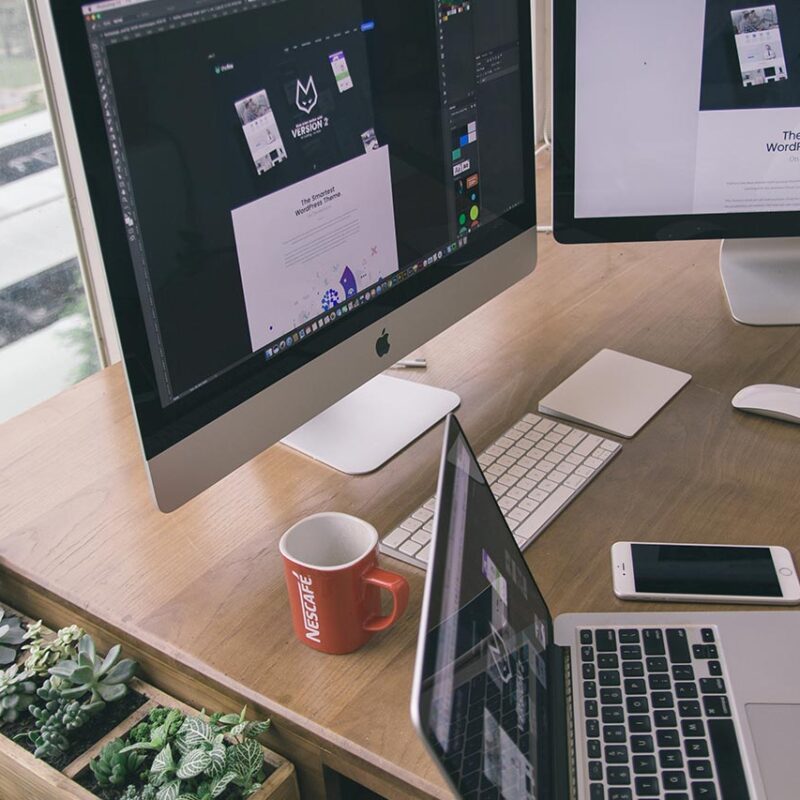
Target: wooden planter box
x,y
24,777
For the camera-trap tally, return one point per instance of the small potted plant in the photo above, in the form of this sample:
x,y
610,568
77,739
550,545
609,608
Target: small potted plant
x,y
74,724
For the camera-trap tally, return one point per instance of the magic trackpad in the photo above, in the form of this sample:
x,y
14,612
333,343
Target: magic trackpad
x,y
775,732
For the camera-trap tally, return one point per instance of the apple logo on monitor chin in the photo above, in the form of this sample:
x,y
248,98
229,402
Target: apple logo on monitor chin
x,y
382,345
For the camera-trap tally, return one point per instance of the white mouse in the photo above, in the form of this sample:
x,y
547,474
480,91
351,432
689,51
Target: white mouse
x,y
770,400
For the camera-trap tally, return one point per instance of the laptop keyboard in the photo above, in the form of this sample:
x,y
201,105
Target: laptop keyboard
x,y
658,719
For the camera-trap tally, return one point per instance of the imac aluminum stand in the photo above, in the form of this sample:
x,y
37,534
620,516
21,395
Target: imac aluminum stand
x,y
762,280
370,425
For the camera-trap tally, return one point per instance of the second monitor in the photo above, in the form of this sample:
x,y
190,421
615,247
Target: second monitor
x,y
679,121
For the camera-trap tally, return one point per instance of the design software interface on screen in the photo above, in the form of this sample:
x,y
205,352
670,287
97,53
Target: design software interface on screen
x,y
484,691
686,107
282,162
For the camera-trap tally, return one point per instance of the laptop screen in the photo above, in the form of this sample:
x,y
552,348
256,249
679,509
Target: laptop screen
x,y
481,686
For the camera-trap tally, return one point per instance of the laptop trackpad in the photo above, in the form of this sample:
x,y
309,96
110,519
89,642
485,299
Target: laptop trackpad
x,y
775,732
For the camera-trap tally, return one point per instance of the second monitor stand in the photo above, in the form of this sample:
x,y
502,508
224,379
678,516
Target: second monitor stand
x,y
762,280
370,425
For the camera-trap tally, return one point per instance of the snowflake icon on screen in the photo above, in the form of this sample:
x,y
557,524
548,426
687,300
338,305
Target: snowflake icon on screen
x,y
330,299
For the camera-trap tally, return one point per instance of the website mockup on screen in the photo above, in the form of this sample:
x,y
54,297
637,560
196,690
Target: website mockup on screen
x,y
686,107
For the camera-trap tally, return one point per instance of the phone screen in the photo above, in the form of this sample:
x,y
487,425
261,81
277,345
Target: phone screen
x,y
707,569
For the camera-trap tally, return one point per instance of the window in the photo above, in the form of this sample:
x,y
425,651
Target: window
x,y
47,339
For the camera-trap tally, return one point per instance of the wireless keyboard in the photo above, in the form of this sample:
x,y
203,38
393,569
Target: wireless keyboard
x,y
534,469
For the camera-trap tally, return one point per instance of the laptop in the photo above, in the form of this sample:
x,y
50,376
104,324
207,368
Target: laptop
x,y
513,704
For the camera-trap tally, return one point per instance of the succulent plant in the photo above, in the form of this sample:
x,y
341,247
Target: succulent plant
x,y
116,768
105,680
55,720
11,636
160,729
147,792
17,692
46,650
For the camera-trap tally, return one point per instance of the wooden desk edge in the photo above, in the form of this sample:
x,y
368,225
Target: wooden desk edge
x,y
293,736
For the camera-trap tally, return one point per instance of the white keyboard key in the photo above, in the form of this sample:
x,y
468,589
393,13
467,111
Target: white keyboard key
x,y
506,503
531,418
411,524
424,553
422,537
495,451
588,445
545,426
546,446
498,490
545,466
554,437
592,462
507,480
409,548
562,429
504,442
516,452
607,444
485,460
430,504
563,449
584,472
554,458
574,459
523,426
541,515
528,504
496,469
520,540
513,435
536,475
538,495
532,436
574,481
547,486
517,471
526,484
518,514
574,438
423,515
506,461
536,453
428,526
395,538
513,524
601,454
526,462
565,468
556,476
516,493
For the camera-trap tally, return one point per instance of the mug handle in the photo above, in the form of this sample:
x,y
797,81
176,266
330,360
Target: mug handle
x,y
398,587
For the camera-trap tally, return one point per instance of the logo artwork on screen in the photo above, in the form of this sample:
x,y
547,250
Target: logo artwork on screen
x,y
382,345
306,97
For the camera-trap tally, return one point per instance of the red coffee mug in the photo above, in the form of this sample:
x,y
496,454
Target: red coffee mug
x,y
331,565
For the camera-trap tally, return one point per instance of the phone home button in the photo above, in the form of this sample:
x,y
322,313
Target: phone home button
x,y
785,571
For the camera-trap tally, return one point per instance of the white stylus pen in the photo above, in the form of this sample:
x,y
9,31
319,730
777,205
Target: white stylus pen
x,y
410,363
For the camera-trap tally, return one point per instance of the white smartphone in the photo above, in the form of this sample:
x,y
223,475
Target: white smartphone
x,y
704,573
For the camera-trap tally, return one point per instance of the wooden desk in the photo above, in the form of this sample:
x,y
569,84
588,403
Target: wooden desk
x,y
199,595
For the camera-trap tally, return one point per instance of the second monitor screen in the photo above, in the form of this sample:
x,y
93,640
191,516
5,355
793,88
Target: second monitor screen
x,y
686,107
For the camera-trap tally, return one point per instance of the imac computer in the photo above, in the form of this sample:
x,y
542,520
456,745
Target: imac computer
x,y
289,195
681,120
